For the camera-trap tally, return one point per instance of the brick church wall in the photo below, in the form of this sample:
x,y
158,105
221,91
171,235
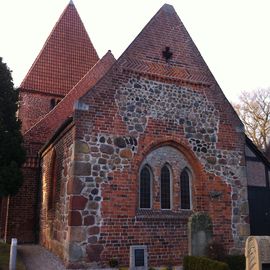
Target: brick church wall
x,y
56,172
129,116
22,220
145,107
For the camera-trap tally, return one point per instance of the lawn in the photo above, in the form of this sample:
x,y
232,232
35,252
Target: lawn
x,y
4,258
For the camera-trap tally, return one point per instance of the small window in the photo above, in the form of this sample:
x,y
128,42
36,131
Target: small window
x,y
138,257
53,103
165,188
145,188
185,190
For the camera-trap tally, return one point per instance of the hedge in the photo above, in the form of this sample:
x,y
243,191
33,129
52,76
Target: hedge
x,y
236,262
202,263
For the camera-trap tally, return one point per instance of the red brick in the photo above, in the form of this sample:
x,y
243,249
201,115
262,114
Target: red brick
x,y
77,202
74,218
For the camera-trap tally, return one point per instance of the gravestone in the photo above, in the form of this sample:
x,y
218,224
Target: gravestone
x,y
257,252
200,233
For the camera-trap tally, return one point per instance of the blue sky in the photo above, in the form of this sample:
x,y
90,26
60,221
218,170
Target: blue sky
x,y
232,35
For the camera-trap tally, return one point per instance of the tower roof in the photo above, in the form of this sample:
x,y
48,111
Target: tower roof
x,y
65,57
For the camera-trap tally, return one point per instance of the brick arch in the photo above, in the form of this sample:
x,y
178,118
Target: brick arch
x,y
196,168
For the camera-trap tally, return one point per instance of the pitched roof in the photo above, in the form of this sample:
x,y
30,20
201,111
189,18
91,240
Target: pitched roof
x,y
45,128
65,57
165,33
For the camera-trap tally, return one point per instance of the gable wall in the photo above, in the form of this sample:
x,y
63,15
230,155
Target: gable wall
x,y
147,113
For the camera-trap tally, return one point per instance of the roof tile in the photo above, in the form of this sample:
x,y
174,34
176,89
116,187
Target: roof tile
x,y
65,57
45,128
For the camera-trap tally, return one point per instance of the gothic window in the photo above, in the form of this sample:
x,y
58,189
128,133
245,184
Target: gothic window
x,y
165,188
145,188
185,190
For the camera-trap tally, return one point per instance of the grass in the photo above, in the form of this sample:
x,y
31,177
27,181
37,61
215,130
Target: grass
x,y
4,258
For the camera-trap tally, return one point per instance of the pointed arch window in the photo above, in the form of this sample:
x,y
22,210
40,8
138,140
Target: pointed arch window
x,y
165,188
145,188
185,190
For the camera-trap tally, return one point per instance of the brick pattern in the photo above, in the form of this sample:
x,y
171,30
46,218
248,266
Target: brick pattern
x,y
33,107
155,112
66,56
54,233
23,209
45,128
34,139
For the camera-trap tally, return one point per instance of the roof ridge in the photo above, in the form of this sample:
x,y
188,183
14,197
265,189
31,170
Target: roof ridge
x,y
165,7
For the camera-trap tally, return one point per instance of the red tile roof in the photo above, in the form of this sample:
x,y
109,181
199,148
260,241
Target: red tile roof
x,y
64,59
166,30
45,128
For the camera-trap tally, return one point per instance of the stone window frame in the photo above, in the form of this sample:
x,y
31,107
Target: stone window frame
x,y
167,165
132,257
186,169
151,186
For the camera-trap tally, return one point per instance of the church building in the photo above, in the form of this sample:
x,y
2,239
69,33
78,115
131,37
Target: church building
x,y
141,160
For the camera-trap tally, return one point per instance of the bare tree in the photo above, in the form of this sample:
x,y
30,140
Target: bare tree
x,y
254,111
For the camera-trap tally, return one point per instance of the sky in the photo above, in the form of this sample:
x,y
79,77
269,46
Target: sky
x,y
232,35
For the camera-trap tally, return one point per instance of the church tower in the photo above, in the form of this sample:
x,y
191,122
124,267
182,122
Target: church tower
x,y
66,59
67,55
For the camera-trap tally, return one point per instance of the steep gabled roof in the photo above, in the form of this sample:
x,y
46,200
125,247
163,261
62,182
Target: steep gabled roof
x,y
64,59
46,127
165,33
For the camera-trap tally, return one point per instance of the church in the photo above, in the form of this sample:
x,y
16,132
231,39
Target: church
x,y
141,160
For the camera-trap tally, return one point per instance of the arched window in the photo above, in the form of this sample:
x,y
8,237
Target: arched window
x,y
165,188
145,188
185,190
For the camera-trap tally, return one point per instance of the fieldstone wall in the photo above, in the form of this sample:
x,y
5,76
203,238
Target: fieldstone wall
x,y
54,221
100,156
142,99
96,158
